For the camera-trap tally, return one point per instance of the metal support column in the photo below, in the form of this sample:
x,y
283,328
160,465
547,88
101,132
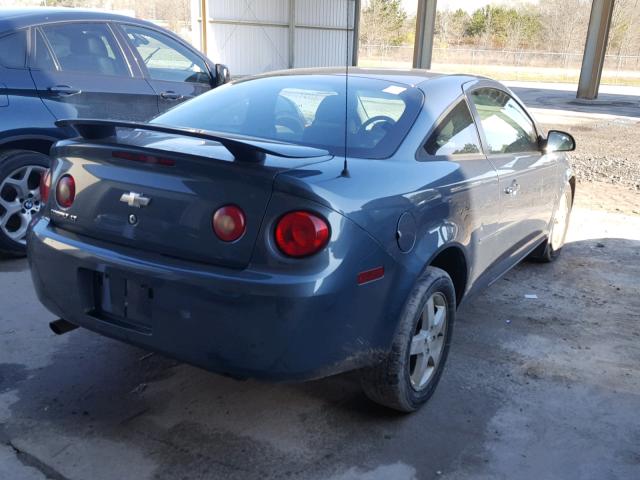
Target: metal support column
x,y
595,49
292,33
203,25
425,31
356,32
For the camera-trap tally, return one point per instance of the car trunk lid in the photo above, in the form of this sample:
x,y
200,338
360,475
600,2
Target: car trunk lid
x,y
158,193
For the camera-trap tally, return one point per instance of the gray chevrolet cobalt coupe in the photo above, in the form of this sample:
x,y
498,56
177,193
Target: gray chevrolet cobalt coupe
x,y
300,224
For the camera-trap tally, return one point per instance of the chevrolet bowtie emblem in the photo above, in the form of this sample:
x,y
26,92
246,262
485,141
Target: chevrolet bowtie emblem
x,y
134,199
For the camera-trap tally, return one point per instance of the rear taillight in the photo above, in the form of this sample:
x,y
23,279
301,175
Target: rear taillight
x,y
66,191
229,223
45,185
300,234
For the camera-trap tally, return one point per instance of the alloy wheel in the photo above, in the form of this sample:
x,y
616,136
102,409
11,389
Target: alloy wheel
x,y
428,340
560,219
19,201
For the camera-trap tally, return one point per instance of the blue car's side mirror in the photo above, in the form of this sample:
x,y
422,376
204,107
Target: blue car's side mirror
x,y
558,141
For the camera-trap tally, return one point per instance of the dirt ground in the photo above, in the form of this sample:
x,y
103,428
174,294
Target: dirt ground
x,y
606,163
600,160
535,388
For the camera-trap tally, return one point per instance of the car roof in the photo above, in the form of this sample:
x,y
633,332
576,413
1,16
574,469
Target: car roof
x,y
15,18
406,77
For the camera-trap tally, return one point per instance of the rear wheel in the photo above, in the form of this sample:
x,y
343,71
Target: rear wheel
x,y
550,249
409,374
20,174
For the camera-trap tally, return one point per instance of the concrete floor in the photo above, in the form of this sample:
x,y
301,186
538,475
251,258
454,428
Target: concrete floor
x,y
545,388
614,101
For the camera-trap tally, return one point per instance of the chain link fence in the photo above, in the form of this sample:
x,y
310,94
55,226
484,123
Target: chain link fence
x,y
506,64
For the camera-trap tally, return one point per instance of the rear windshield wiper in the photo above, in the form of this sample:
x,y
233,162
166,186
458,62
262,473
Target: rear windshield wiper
x,y
243,148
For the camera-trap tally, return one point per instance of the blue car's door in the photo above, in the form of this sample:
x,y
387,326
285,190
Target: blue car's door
x,y
81,71
527,176
21,109
472,189
175,72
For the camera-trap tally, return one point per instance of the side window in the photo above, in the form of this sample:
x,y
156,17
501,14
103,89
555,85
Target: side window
x,y
455,135
13,50
86,48
41,54
165,58
506,126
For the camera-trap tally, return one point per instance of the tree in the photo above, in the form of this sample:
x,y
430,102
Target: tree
x,y
383,22
477,24
451,27
565,25
523,29
624,37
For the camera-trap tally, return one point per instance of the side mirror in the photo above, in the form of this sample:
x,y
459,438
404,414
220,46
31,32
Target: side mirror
x,y
222,75
558,141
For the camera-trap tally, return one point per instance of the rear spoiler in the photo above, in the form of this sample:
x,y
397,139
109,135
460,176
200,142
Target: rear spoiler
x,y
243,148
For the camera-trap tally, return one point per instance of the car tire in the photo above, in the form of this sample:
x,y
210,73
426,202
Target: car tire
x,y
20,172
550,249
408,375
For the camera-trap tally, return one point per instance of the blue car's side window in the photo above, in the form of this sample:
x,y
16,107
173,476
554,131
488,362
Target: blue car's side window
x,y
13,50
507,127
42,57
165,58
455,135
85,48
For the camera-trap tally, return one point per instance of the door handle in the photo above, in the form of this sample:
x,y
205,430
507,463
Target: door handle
x,y
64,90
513,189
170,95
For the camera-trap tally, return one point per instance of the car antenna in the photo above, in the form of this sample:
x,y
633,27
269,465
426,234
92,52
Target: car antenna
x,y
345,168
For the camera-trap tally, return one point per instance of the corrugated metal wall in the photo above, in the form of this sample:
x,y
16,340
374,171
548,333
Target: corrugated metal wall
x,y
324,32
255,36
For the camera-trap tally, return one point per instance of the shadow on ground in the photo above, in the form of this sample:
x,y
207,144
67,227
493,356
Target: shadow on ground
x,y
565,100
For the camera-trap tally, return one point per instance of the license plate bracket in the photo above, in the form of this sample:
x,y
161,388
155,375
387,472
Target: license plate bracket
x,y
123,300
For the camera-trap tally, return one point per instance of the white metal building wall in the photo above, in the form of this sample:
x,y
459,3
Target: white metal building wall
x,y
255,36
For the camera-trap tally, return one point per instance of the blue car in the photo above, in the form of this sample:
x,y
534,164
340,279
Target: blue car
x,y
58,63
301,224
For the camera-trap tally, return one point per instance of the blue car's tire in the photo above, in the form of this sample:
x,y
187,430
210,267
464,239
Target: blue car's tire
x,y
549,250
409,374
20,172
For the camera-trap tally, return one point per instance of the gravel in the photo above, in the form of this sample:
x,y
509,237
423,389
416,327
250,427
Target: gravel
x,y
607,152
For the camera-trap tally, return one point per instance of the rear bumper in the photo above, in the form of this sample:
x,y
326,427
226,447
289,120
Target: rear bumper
x,y
248,323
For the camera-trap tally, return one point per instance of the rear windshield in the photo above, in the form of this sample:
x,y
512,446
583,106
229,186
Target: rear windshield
x,y
371,117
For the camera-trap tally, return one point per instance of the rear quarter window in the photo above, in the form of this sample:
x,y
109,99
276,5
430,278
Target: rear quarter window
x,y
456,134
13,50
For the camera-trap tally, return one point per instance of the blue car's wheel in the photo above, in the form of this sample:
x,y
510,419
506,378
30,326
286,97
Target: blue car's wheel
x,y
550,249
409,374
